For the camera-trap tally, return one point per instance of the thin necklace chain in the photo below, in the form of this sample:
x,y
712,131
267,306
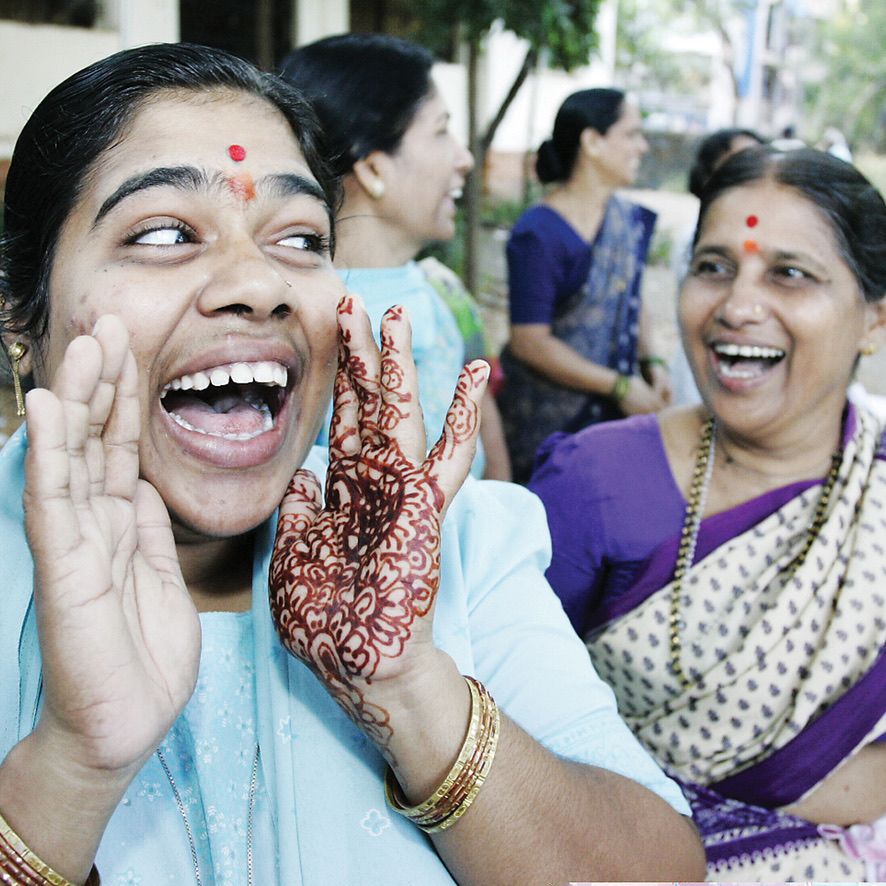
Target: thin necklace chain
x,y
253,786
701,481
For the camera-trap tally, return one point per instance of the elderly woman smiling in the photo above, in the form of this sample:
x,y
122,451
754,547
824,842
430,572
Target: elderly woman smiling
x,y
727,574
194,691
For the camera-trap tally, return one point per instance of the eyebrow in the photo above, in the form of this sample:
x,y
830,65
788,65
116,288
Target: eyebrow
x,y
189,178
780,256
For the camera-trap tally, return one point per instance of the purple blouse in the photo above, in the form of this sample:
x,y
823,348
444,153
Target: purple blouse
x,y
547,261
615,513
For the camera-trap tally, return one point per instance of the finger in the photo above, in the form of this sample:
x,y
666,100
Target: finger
x,y
50,519
362,364
300,506
75,384
344,434
121,434
113,338
450,459
154,529
401,417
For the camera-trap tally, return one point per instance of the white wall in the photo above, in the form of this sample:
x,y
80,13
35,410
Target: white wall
x,y
35,58
314,19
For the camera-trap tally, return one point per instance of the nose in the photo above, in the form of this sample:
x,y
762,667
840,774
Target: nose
x,y
644,145
464,159
242,280
744,302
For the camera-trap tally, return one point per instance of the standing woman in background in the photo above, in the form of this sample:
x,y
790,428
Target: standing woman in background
x,y
575,263
403,170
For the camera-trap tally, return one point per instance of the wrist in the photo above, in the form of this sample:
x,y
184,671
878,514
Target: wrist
x,y
428,714
620,388
57,807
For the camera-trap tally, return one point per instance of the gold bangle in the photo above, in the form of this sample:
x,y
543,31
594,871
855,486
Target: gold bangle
x,y
30,868
466,779
463,782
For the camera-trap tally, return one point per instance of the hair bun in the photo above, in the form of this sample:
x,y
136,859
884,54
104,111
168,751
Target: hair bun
x,y
548,165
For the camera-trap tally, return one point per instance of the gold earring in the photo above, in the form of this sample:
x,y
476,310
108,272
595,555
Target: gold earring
x,y
377,189
16,351
869,350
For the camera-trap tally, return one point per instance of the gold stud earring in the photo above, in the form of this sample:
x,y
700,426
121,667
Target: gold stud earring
x,y
377,189
16,351
869,350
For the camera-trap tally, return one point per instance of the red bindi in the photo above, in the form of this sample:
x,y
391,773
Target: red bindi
x,y
237,153
751,246
751,221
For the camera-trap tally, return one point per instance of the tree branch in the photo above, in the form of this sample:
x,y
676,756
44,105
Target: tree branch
x,y
529,63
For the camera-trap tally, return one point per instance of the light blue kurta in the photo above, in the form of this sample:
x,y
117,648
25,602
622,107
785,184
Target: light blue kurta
x,y
320,811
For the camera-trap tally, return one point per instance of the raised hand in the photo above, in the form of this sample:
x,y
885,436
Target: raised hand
x,y
119,634
353,583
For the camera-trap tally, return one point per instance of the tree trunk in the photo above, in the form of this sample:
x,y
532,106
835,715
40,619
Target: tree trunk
x,y
479,146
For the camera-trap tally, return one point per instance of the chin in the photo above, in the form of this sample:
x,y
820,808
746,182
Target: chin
x,y
189,526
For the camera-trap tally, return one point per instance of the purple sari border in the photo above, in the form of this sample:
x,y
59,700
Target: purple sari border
x,y
786,774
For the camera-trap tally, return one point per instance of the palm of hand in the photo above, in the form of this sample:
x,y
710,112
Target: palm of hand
x,y
119,634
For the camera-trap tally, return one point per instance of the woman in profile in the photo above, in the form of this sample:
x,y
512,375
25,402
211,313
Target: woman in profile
x,y
579,349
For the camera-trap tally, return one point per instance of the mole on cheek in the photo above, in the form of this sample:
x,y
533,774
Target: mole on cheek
x,y
242,186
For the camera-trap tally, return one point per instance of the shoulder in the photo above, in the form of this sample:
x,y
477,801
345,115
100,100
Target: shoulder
x,y
634,210
600,451
541,222
437,274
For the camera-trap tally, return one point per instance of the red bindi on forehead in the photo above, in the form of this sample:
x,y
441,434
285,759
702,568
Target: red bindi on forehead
x,y
237,153
751,221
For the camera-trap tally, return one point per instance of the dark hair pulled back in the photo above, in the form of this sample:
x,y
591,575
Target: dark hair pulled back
x,y
88,114
852,206
365,88
589,108
710,152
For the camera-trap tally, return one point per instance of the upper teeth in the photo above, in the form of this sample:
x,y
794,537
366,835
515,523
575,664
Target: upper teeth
x,y
753,352
264,372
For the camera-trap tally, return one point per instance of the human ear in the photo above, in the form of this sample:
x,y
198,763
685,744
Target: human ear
x,y
589,142
368,171
17,346
874,327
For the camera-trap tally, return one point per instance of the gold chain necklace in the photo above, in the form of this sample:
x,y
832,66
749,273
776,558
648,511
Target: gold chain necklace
x,y
701,479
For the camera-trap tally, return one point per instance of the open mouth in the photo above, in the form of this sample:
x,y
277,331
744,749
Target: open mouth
x,y
234,401
745,362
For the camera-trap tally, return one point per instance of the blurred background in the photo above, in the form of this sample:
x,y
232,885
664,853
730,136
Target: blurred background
x,y
812,71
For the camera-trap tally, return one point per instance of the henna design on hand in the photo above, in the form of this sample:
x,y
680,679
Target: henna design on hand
x,y
463,418
347,583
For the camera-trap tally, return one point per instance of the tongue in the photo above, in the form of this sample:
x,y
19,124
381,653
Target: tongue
x,y
226,414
